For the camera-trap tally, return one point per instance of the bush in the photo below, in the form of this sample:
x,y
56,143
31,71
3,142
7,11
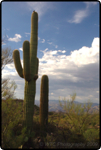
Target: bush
x,y
11,117
78,116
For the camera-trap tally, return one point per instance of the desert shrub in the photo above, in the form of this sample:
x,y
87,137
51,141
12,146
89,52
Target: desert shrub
x,y
91,135
77,115
11,117
95,119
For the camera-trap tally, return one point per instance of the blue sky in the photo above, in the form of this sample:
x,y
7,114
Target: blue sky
x,y
68,46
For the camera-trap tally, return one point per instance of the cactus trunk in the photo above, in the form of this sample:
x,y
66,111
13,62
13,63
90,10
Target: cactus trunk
x,y
29,71
29,97
44,90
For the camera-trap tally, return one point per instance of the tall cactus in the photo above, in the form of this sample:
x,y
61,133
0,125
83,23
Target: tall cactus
x,y
44,90
30,70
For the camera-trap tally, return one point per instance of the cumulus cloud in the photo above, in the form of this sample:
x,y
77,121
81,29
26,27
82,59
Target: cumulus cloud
x,y
77,72
16,38
61,51
83,56
7,73
95,43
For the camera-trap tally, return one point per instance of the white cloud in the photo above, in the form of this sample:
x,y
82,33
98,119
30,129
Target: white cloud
x,y
10,66
80,15
8,73
61,51
43,41
53,52
46,49
86,55
95,43
16,38
21,49
77,71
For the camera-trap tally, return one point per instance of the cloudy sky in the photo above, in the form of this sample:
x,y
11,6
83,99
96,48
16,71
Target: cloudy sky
x,y
68,46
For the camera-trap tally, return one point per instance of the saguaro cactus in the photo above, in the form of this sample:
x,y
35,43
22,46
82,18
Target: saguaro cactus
x,y
44,90
30,70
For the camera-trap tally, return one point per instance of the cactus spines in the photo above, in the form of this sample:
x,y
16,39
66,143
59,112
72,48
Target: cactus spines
x,y
30,70
44,90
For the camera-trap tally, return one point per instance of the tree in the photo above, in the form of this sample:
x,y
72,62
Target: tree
x,y
6,55
8,87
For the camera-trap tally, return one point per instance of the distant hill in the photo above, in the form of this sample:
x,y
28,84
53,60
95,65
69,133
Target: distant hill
x,y
54,105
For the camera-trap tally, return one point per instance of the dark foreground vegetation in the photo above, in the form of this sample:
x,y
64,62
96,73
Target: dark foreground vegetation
x,y
74,128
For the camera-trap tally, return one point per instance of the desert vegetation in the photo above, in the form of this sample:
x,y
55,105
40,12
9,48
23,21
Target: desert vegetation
x,y
66,129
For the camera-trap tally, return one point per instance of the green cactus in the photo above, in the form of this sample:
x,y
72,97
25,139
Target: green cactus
x,y
44,90
30,70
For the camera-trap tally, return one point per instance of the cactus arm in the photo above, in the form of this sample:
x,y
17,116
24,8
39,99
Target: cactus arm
x,y
17,63
26,60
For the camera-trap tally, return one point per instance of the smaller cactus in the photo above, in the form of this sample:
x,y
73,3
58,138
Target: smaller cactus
x,y
44,90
